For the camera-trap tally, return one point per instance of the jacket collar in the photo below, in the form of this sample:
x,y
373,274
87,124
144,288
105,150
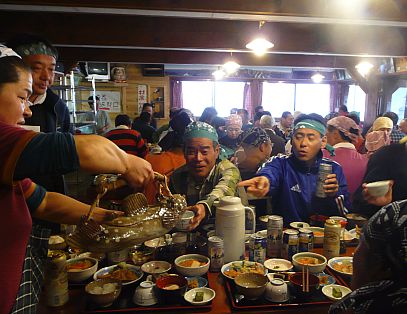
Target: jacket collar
x,y
303,167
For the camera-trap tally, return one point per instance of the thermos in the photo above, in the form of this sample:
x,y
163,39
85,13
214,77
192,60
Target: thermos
x,y
230,225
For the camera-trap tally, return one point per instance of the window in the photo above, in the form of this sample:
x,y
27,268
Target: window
x,y
398,102
307,98
278,97
356,100
197,95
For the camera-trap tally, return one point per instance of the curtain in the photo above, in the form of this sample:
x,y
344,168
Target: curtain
x,y
247,99
256,87
176,94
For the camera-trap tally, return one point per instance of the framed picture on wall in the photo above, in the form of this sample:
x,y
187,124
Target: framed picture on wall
x,y
157,98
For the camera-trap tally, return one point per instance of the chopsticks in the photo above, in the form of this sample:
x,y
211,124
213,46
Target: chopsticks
x,y
305,278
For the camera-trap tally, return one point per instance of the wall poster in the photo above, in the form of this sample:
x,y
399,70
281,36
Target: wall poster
x,y
141,96
109,101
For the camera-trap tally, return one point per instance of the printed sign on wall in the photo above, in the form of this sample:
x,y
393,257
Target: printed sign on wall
x,y
109,101
141,96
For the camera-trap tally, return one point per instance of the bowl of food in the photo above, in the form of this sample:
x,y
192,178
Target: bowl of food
x,y
80,269
56,242
251,285
299,224
335,292
196,282
171,288
315,263
127,274
278,264
192,264
318,235
343,265
199,296
378,188
325,279
156,267
298,282
232,269
103,292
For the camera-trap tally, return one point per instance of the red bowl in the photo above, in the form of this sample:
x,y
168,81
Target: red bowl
x,y
296,283
166,295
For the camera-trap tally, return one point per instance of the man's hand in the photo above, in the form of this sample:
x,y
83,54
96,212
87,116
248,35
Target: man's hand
x,y
103,215
380,200
331,185
139,173
258,186
200,213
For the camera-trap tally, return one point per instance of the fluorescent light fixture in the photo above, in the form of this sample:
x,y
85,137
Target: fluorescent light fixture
x,y
259,46
364,68
317,78
219,74
231,67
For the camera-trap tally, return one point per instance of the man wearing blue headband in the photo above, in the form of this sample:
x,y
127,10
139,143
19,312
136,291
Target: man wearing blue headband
x,y
204,178
291,181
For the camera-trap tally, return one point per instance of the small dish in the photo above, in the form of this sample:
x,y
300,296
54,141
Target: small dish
x,y
299,224
196,282
156,267
278,264
342,265
328,291
208,295
104,273
325,279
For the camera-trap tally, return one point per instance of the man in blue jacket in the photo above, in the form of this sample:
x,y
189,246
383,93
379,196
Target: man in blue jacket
x,y
291,180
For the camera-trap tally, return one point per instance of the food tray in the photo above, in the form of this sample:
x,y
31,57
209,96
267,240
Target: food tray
x,y
125,304
317,299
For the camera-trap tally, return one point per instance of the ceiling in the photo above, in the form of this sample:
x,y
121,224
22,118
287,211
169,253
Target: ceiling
x,y
317,33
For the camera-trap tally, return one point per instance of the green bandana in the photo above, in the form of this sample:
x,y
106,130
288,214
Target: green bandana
x,y
35,49
200,129
310,124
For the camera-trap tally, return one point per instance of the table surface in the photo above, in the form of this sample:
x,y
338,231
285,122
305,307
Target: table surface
x,y
220,305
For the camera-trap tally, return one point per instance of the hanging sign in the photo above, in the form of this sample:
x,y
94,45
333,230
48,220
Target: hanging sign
x,y
109,101
141,96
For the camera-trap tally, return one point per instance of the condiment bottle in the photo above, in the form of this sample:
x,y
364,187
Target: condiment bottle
x,y
332,234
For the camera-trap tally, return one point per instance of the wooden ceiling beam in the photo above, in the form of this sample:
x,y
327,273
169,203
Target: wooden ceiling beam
x,y
395,10
193,57
141,31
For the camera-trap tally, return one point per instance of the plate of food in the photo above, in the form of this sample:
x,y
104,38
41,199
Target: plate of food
x,y
325,279
232,269
126,273
342,265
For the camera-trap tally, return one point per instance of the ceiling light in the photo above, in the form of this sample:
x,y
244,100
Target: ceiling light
x,y
219,74
231,67
317,78
259,46
364,68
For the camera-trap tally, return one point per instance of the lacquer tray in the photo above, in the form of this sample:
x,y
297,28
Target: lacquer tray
x,y
317,299
125,304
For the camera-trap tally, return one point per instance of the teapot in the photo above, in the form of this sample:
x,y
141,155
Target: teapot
x,y
230,225
119,74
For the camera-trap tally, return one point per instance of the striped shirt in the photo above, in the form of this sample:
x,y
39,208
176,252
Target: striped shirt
x,y
128,140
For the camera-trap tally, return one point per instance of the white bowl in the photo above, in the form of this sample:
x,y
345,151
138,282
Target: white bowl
x,y
156,267
208,295
183,223
318,234
144,294
378,188
334,262
106,270
79,275
313,268
299,224
278,264
192,271
243,267
327,291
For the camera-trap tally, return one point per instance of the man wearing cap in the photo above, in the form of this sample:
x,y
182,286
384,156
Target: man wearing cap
x,y
204,178
48,110
291,181
342,133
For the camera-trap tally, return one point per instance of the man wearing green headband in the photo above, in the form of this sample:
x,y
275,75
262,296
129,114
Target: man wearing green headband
x,y
204,178
291,181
